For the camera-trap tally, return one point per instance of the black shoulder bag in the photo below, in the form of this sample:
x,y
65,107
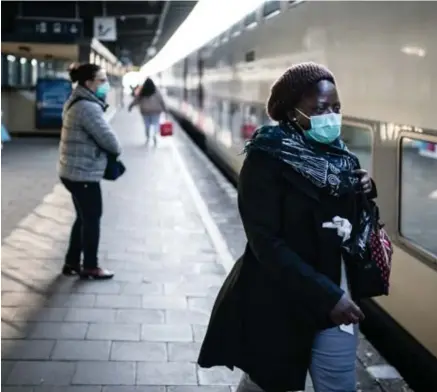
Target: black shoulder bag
x,y
114,167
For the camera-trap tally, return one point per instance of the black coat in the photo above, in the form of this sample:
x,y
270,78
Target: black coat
x,y
281,291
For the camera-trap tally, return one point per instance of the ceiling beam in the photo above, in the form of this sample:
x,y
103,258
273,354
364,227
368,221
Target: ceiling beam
x,y
123,33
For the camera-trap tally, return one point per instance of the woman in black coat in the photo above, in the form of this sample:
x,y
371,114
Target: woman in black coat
x,y
286,307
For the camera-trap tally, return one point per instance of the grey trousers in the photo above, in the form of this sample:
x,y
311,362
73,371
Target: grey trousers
x,y
332,366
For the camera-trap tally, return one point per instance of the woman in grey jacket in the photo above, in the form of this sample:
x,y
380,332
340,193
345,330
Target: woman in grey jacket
x,y
86,141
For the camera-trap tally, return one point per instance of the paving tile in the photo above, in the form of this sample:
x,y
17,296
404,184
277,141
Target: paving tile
x,y
14,299
183,352
191,289
93,287
41,314
118,301
49,330
37,373
166,373
201,304
7,367
166,333
68,389
164,302
90,315
104,373
17,389
72,301
113,332
26,349
8,313
14,330
144,388
143,316
198,388
186,317
199,332
138,351
143,288
70,350
130,277
219,376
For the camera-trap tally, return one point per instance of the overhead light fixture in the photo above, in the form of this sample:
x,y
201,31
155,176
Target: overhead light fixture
x,y
151,51
414,51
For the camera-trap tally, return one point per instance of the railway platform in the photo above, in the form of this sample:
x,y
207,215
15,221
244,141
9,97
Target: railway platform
x,y
170,231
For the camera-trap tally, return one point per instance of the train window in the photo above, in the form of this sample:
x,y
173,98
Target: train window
x,y
251,121
271,8
4,70
235,30
24,72
34,72
249,56
41,69
12,70
250,20
224,133
265,119
236,121
358,138
418,198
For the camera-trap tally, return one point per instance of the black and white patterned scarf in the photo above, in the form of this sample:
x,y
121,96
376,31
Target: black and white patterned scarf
x,y
329,167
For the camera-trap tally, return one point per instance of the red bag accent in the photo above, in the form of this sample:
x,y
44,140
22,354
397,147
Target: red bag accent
x,y
381,252
166,128
247,130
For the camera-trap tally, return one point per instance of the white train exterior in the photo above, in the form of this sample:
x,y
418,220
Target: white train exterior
x,y
384,56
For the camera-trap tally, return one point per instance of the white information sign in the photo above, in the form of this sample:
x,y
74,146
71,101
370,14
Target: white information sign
x,y
105,29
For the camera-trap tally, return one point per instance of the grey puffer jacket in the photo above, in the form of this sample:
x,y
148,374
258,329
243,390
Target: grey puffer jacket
x,y
86,138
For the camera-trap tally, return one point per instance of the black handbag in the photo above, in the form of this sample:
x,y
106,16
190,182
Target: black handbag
x,y
114,167
370,270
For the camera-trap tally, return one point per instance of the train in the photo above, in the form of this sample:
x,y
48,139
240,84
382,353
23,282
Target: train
x,y
384,57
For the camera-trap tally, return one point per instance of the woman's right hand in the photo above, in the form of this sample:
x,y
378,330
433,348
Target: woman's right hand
x,y
346,312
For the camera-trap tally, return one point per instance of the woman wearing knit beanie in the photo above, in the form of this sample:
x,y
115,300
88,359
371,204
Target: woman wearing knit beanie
x,y
286,306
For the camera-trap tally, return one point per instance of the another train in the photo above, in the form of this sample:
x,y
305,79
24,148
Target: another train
x,y
384,56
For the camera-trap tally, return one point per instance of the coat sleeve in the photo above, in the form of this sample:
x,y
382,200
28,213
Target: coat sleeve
x,y
260,204
135,102
99,129
373,194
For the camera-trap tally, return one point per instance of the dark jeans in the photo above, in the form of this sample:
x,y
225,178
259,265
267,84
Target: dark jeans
x,y
85,233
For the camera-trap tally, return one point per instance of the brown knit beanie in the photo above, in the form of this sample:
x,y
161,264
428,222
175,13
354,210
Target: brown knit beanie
x,y
287,91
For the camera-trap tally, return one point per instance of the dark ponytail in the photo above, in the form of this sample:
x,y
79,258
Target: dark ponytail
x,y
148,88
82,72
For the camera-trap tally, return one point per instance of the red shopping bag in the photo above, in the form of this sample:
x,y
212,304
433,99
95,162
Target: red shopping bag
x,y
166,128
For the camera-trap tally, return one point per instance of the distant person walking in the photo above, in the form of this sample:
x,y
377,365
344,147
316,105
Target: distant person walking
x,y
151,105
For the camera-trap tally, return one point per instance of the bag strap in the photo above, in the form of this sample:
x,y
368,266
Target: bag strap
x,y
70,105
73,102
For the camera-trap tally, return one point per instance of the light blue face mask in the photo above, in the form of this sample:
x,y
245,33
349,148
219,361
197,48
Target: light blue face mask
x,y
103,90
325,128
